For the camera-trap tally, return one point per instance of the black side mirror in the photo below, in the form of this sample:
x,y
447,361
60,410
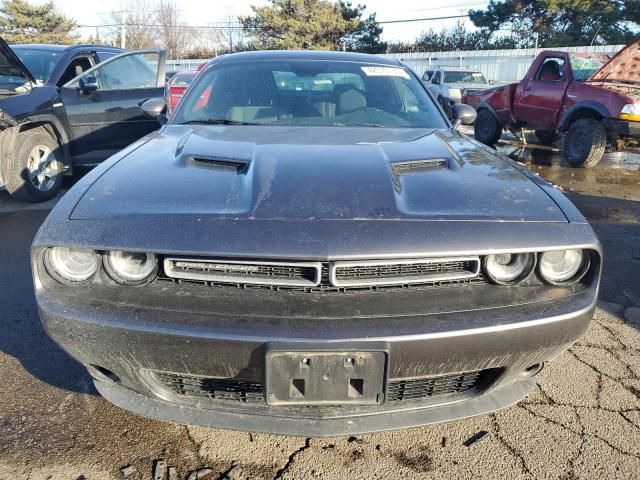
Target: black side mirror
x,y
88,84
463,114
155,109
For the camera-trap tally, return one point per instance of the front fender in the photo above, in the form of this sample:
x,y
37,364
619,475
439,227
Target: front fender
x,y
567,116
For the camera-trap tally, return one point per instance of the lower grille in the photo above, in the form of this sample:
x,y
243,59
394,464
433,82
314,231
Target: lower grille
x,y
427,387
243,391
213,388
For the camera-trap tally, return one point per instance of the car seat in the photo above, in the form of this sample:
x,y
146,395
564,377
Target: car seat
x,y
550,72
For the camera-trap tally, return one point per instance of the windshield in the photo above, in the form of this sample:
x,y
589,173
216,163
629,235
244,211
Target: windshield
x,y
583,66
464,77
309,93
39,62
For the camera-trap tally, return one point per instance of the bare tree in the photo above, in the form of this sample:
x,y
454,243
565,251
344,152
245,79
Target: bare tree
x,y
173,34
231,33
139,30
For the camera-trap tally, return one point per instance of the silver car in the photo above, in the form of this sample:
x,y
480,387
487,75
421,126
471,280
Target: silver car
x,y
449,84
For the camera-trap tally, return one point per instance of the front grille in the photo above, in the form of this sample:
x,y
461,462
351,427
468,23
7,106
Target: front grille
x,y
325,277
403,271
213,388
302,274
244,391
427,387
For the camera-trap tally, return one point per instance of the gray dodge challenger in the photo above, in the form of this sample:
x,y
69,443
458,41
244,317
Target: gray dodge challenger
x,y
309,247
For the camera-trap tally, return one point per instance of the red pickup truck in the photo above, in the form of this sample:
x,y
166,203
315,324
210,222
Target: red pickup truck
x,y
596,105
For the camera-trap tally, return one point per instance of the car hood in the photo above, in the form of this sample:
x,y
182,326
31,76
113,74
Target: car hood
x,y
622,66
466,86
315,173
11,65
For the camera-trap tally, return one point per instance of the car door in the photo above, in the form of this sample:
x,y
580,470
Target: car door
x,y
102,104
539,99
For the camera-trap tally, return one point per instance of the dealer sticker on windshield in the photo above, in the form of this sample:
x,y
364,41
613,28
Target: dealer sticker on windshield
x,y
385,72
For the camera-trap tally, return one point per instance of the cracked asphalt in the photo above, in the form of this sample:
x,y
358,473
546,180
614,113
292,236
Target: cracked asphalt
x,y
581,422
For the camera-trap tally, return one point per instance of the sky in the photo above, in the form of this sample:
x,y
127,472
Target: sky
x,y
199,12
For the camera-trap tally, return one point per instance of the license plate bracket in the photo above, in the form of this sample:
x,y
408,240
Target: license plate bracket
x,y
325,378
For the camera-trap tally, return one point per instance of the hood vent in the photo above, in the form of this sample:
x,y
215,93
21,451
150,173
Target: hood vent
x,y
239,165
419,165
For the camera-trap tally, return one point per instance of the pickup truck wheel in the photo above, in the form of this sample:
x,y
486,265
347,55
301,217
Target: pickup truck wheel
x,y
585,143
33,170
547,137
486,128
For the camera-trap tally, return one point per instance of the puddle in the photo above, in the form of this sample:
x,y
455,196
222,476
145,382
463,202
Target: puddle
x,y
617,172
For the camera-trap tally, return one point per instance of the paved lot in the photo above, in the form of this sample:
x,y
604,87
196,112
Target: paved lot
x,y
582,421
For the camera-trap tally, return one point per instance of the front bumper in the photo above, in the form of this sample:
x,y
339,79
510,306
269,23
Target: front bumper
x,y
124,346
621,128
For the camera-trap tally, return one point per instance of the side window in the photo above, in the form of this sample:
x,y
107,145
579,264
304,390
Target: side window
x,y
104,56
551,70
127,72
436,78
76,67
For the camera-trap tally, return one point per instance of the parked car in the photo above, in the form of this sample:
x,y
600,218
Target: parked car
x,y
64,106
313,261
176,87
594,104
449,84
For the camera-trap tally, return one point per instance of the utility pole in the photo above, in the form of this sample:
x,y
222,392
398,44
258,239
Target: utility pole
x,y
123,19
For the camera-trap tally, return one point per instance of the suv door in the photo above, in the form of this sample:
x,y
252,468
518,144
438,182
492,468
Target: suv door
x,y
102,104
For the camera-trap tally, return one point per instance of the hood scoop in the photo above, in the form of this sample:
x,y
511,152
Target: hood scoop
x,y
419,165
239,165
202,151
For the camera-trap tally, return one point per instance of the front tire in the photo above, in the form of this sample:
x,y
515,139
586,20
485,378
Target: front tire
x,y
486,128
33,168
585,143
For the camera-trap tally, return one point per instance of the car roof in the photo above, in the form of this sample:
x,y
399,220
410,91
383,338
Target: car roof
x,y
318,55
63,48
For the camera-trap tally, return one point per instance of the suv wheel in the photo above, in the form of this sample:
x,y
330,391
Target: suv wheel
x,y
486,128
33,170
547,137
585,143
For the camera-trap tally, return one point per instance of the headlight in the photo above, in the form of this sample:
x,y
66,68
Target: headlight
x,y
70,265
131,268
508,268
562,266
630,112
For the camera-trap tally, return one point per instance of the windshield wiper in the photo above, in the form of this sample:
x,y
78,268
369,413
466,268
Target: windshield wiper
x,y
217,121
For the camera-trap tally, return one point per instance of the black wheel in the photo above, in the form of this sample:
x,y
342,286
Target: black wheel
x,y
486,128
585,143
547,137
33,169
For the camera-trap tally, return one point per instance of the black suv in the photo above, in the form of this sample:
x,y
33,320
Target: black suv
x,y
63,105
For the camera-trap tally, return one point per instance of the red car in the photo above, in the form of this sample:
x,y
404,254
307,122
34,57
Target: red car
x,y
177,85
595,104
